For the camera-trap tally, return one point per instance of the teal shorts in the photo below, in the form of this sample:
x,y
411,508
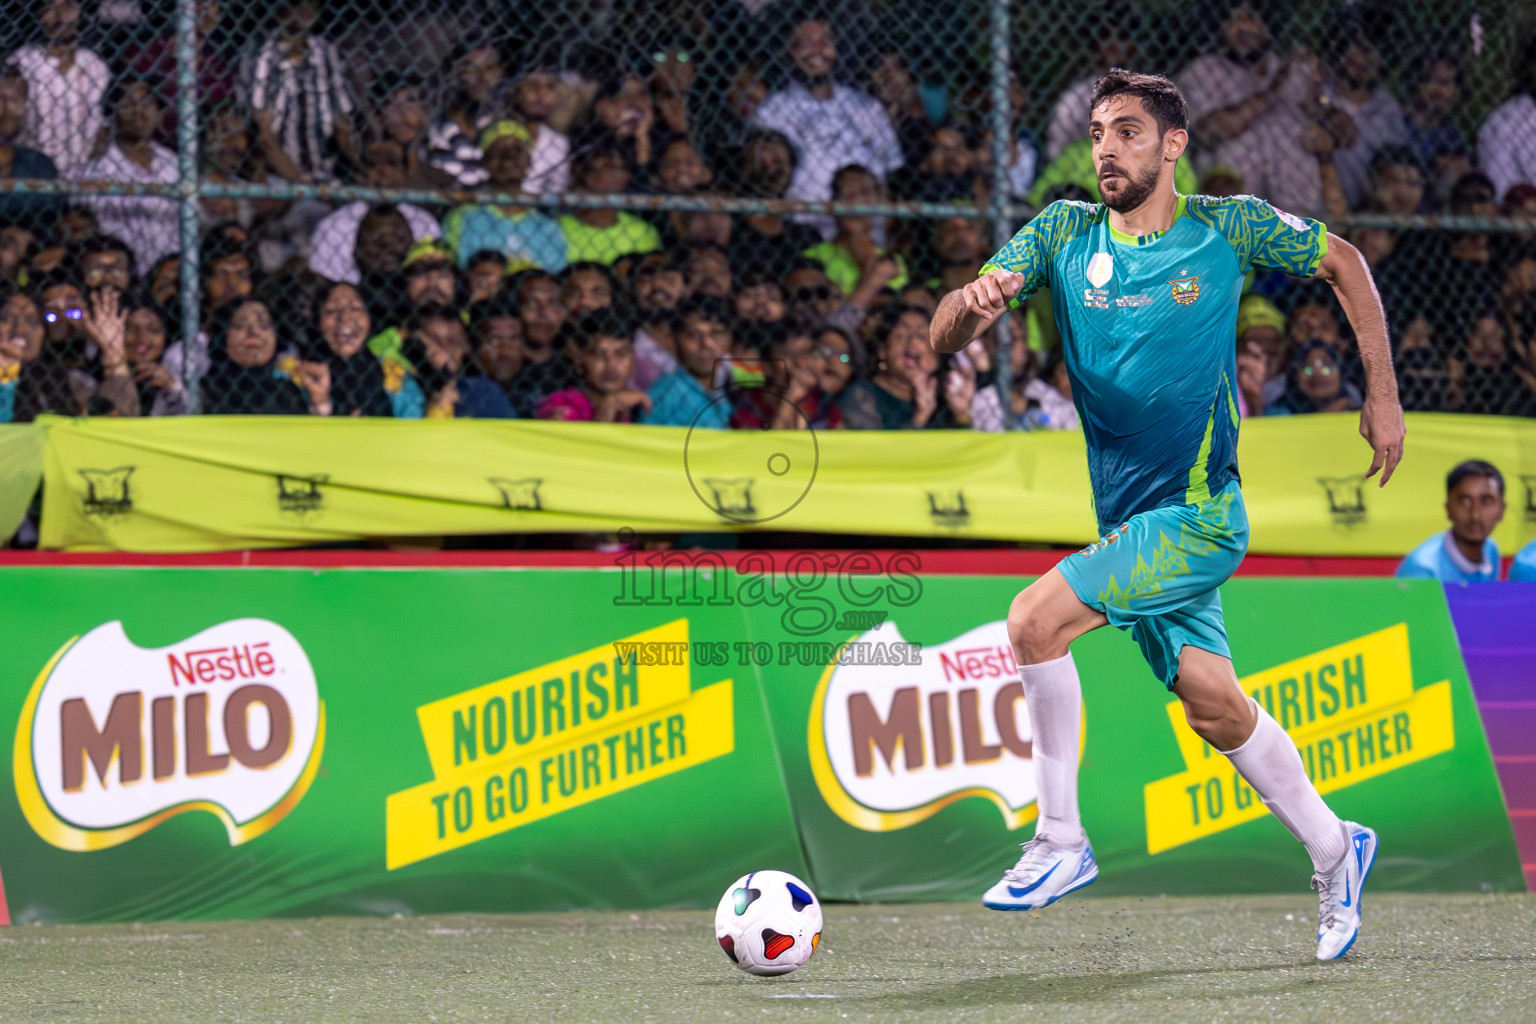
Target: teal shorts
x,y
1157,576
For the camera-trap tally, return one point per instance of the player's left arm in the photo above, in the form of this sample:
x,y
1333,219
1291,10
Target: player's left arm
x,y
1381,418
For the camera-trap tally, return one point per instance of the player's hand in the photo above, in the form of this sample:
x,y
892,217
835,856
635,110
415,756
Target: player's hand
x,y
988,295
1381,424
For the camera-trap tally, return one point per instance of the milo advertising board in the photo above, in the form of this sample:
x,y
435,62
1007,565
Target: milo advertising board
x,y
231,743
916,782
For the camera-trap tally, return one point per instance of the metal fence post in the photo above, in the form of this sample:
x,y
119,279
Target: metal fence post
x,y
186,154
1002,138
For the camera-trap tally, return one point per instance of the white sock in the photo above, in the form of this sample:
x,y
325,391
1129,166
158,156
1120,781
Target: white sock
x,y
1272,766
1055,703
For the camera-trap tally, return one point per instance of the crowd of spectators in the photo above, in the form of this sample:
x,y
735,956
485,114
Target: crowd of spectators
x,y
519,309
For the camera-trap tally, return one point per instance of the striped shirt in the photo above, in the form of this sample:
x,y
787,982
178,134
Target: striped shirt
x,y
306,97
453,152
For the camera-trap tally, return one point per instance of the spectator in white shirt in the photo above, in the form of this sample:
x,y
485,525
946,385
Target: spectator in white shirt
x,y
333,248
149,224
1114,47
830,124
1227,90
1507,140
534,98
65,83
1358,92
1262,116
300,99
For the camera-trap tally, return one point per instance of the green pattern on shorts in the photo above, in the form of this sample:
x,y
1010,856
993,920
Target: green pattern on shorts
x,y
1170,558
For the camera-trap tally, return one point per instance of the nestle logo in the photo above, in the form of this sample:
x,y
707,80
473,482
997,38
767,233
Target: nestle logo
x,y
221,664
978,663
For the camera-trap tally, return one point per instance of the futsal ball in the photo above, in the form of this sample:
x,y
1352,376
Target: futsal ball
x,y
768,922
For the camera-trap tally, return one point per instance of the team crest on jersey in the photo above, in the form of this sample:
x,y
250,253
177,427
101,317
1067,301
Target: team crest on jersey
x,y
1186,289
1100,269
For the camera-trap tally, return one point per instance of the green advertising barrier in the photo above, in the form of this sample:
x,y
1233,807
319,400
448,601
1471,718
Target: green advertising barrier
x,y
234,743
217,482
913,783
253,742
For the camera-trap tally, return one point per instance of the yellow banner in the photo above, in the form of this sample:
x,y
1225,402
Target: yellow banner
x,y
555,737
554,704
217,483
21,470
1352,712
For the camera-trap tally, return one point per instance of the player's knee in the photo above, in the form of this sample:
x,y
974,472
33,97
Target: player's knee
x,y
1034,635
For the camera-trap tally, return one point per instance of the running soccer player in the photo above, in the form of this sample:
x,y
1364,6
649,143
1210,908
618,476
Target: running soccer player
x,y
1144,289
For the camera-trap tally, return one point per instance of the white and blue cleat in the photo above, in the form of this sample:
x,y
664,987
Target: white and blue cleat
x,y
1044,874
1339,893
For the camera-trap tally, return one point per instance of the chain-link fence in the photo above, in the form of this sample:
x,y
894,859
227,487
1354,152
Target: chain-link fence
x,y
614,210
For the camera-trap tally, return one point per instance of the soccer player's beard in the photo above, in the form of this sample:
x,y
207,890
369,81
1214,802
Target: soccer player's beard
x,y
1133,193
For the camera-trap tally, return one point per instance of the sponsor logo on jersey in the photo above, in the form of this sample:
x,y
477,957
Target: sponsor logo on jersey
x,y
1095,298
892,745
1186,289
115,738
1133,301
1100,269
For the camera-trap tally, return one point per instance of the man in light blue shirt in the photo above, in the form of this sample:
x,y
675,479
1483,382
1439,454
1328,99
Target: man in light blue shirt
x,y
1466,553
1523,569
687,397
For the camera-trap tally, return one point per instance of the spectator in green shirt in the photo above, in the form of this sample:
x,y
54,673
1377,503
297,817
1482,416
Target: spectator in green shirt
x,y
602,236
526,236
853,251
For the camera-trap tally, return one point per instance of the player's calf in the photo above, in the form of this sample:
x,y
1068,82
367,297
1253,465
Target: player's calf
x,y
1222,716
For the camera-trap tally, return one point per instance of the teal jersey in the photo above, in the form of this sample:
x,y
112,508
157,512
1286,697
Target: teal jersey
x,y
1149,325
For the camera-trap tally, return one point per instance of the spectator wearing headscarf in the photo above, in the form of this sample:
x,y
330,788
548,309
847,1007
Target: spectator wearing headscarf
x,y
358,383
247,376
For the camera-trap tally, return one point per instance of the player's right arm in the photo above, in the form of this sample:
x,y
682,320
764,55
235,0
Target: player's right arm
x,y
1017,271
967,313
